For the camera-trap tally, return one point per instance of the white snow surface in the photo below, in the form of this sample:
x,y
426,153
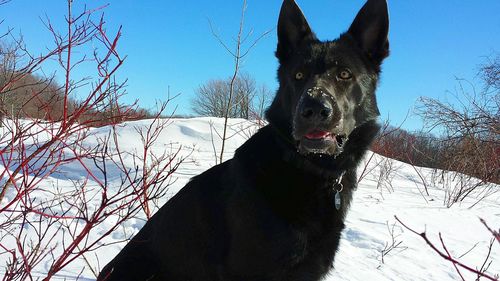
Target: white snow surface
x,y
370,220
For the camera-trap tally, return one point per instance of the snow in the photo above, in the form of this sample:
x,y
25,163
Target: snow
x,y
379,198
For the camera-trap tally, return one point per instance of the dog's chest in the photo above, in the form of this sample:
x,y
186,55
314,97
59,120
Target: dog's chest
x,y
266,238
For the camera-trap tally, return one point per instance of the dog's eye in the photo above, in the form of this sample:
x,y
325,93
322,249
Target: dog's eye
x,y
299,75
345,74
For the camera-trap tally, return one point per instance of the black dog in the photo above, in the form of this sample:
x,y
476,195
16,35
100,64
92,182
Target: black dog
x,y
276,210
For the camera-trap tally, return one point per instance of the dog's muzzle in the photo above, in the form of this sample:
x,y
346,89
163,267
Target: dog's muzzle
x,y
317,127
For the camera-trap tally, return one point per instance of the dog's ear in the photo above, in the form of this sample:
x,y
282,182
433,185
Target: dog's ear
x,y
293,30
370,29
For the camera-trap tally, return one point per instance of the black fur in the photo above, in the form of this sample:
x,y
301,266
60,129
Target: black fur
x,y
268,214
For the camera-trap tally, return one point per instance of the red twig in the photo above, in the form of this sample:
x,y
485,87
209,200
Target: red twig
x,y
496,234
446,255
59,223
450,257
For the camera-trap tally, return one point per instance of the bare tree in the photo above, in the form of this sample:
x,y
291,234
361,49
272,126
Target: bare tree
x,y
7,57
22,93
238,53
245,90
469,125
211,98
263,98
490,73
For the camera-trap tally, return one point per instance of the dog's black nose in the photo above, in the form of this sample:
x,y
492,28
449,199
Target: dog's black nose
x,y
315,106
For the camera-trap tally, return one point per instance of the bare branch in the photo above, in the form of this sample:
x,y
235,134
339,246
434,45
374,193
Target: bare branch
x,y
446,255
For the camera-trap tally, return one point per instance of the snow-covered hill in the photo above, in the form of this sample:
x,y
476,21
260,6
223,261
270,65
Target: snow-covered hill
x,y
388,188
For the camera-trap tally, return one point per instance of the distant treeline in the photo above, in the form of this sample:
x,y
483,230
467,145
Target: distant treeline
x,y
474,156
38,97
468,124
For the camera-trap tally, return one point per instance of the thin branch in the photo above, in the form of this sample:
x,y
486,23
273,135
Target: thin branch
x,y
445,255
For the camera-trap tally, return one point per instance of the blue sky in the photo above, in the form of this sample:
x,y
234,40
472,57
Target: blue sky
x,y
169,43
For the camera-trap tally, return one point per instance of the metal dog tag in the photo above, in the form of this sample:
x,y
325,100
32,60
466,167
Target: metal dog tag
x,y
338,201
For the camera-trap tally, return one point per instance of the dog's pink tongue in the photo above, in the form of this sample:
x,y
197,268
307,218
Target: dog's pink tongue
x,y
316,134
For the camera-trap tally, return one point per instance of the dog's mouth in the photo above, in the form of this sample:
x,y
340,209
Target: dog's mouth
x,y
323,142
